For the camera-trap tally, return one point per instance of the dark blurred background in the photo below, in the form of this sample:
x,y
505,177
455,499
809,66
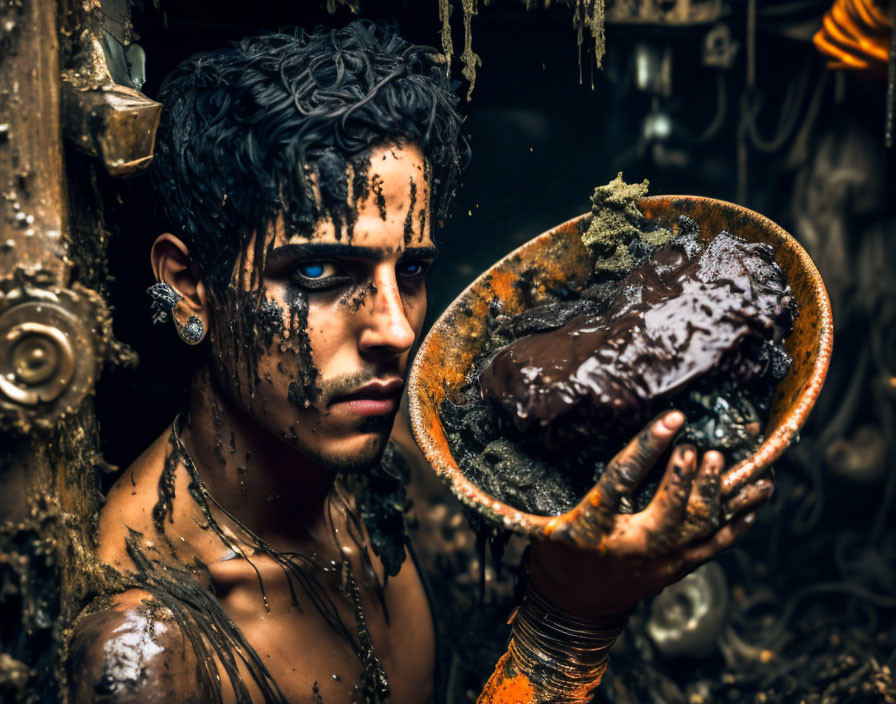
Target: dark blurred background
x,y
736,105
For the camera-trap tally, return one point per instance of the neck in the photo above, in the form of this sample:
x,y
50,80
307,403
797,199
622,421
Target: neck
x,y
269,486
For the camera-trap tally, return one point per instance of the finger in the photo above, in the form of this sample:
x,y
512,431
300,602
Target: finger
x,y
724,538
749,498
666,510
702,514
629,467
592,520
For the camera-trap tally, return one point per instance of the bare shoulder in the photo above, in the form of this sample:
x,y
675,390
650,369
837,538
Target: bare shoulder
x,y
130,503
133,652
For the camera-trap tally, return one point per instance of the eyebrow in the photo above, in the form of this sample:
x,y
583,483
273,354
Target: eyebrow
x,y
329,249
325,249
419,253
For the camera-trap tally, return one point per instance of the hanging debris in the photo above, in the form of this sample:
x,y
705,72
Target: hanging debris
x,y
353,5
445,10
587,15
469,58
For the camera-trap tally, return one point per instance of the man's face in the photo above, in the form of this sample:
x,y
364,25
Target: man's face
x,y
335,317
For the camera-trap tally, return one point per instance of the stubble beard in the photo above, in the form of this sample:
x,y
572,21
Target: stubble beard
x,y
358,462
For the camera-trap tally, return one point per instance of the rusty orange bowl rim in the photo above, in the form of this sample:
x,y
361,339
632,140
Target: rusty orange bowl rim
x,y
434,444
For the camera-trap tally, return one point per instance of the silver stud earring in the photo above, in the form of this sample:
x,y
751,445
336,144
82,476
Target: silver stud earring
x,y
191,333
164,298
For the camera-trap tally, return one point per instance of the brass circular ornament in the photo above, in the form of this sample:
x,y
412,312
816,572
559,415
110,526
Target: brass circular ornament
x,y
48,353
37,361
35,355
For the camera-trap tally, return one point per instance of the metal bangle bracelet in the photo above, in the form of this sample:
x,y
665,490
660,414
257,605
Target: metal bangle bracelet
x,y
564,654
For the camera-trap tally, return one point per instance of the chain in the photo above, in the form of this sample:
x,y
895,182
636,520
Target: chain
x,y
373,687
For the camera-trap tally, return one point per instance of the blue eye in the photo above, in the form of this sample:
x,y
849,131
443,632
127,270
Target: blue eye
x,y
412,269
319,275
312,270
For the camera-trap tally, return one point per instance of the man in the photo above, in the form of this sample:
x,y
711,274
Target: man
x,y
297,181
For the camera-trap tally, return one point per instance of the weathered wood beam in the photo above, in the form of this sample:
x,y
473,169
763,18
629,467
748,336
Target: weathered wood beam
x,y
32,201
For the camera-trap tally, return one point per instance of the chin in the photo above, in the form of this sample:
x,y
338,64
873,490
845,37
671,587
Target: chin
x,y
354,454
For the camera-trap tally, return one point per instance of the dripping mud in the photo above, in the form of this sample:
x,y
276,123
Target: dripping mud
x,y
409,219
255,327
667,319
184,595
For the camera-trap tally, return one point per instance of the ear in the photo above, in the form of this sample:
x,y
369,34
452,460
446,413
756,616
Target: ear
x,y
171,264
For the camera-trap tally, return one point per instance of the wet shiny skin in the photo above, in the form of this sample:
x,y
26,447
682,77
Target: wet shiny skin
x,y
280,483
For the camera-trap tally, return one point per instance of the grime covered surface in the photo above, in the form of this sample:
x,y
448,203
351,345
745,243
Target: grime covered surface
x,y
666,320
266,347
197,624
257,328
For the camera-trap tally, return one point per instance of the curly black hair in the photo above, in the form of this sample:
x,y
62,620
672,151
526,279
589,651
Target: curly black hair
x,y
242,128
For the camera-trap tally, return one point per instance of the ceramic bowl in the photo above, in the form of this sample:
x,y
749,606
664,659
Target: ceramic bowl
x,y
558,256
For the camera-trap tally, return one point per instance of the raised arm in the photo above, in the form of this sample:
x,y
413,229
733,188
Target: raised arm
x,y
585,580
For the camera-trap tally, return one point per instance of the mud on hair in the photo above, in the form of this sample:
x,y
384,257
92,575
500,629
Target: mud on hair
x,y
244,126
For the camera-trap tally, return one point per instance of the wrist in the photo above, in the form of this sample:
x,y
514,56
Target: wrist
x,y
552,614
571,584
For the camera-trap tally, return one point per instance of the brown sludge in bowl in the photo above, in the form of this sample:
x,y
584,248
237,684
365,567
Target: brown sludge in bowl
x,y
693,327
557,257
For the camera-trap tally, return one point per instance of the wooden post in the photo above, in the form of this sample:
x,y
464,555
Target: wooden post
x,y
53,333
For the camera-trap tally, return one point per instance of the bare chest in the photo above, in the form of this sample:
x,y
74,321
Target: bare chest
x,y
319,641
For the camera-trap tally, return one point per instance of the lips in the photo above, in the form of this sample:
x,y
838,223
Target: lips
x,y
377,397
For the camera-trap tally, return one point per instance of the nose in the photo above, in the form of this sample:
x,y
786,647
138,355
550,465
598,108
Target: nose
x,y
387,331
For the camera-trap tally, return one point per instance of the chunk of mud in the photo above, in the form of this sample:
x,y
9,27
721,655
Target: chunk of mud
x,y
618,231
503,469
270,321
685,312
664,321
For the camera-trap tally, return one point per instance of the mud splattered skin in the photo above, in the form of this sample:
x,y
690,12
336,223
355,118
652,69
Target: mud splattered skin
x,y
376,185
314,280
409,218
235,521
133,651
302,390
355,298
